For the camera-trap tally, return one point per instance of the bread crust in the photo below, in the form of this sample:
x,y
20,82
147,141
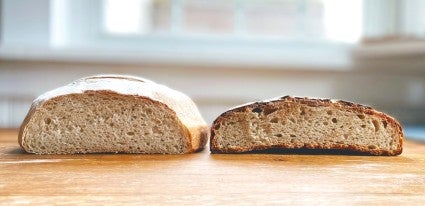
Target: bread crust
x,y
312,102
177,103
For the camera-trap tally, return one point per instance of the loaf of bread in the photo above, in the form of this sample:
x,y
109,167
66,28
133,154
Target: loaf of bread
x,y
113,114
295,123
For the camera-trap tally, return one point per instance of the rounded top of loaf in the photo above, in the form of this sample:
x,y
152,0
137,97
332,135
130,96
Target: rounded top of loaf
x,y
180,103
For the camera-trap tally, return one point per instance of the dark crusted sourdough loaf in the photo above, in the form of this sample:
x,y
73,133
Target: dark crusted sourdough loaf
x,y
295,123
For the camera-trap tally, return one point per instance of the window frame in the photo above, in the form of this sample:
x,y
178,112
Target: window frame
x,y
232,51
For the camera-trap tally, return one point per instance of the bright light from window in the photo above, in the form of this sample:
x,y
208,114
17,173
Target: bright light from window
x,y
334,20
343,20
127,17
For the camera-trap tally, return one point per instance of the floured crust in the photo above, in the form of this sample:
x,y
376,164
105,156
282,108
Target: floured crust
x,y
120,85
344,105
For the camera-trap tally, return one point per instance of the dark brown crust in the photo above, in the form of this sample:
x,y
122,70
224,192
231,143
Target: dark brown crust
x,y
313,103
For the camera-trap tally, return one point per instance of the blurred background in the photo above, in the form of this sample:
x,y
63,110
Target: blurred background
x,y
221,52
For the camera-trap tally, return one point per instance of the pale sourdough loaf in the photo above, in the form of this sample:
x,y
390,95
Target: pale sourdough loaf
x,y
113,114
293,123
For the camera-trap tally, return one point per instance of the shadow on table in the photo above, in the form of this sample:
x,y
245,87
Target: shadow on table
x,y
15,151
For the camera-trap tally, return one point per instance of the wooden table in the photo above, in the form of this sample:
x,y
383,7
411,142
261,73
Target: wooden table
x,y
208,179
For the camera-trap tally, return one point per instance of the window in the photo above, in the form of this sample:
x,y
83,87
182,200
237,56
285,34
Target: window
x,y
318,20
271,33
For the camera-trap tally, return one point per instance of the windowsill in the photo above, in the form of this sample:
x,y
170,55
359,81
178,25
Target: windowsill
x,y
390,56
299,58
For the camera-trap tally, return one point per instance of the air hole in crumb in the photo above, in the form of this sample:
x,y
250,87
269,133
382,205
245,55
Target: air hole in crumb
x,y
43,147
111,124
278,135
292,140
329,112
302,111
217,126
360,116
292,120
371,147
292,135
363,126
47,120
130,133
385,123
156,130
325,123
376,125
274,120
345,136
257,110
334,120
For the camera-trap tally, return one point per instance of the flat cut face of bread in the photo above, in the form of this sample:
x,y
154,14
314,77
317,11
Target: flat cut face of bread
x,y
113,114
294,123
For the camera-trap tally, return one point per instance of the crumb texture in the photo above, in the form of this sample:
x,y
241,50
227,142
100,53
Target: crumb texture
x,y
104,121
292,123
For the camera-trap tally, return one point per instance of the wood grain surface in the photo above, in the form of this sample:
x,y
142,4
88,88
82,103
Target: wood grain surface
x,y
202,178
